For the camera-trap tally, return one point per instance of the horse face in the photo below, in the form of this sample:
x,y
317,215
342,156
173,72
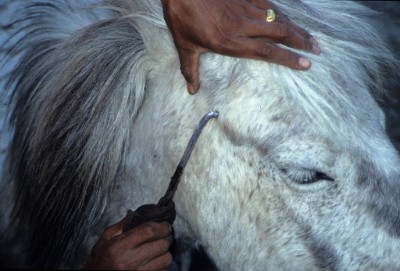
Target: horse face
x,y
284,192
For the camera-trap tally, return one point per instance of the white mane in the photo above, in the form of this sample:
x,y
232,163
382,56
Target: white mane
x,y
352,62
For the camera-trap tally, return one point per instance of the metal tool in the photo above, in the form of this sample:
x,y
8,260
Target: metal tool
x,y
164,210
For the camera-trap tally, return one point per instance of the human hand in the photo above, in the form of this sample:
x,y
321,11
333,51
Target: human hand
x,y
236,28
143,248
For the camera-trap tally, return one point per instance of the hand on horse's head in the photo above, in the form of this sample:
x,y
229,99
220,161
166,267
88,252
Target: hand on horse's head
x,y
146,247
236,28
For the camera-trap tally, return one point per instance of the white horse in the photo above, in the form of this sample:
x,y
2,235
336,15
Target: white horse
x,y
296,174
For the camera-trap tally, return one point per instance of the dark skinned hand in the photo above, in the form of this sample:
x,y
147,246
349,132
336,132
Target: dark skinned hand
x,y
146,247
235,28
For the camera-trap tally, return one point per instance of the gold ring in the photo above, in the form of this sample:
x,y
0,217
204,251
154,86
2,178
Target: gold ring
x,y
270,15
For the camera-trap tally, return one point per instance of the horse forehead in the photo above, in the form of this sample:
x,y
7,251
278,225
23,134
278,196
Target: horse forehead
x,y
268,90
284,131
256,108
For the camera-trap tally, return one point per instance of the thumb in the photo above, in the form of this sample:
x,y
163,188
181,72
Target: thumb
x,y
116,229
189,60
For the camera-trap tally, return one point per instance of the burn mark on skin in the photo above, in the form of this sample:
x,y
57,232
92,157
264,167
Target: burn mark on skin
x,y
391,215
232,136
251,194
251,164
275,118
384,200
323,254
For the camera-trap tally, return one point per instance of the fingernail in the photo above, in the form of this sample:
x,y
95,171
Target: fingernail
x,y
315,47
190,88
314,41
305,63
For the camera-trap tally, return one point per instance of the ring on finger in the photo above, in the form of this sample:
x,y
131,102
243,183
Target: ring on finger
x,y
270,15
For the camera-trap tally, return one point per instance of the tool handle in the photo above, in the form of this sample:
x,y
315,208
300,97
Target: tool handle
x,y
150,213
165,208
176,178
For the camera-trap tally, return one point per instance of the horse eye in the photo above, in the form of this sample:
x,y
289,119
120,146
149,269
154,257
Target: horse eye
x,y
306,176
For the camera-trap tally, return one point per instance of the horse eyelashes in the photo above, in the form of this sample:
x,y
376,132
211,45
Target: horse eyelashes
x,y
306,176
323,176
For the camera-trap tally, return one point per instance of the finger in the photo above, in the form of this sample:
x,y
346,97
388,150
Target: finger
x,y
189,60
265,4
159,263
148,252
251,11
257,49
144,233
307,38
302,32
278,32
283,31
113,230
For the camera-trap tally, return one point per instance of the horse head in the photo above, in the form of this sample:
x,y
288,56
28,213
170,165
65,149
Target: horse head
x,y
297,172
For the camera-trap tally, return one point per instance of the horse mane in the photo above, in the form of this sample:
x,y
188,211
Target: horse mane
x,y
354,58
76,91
81,81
